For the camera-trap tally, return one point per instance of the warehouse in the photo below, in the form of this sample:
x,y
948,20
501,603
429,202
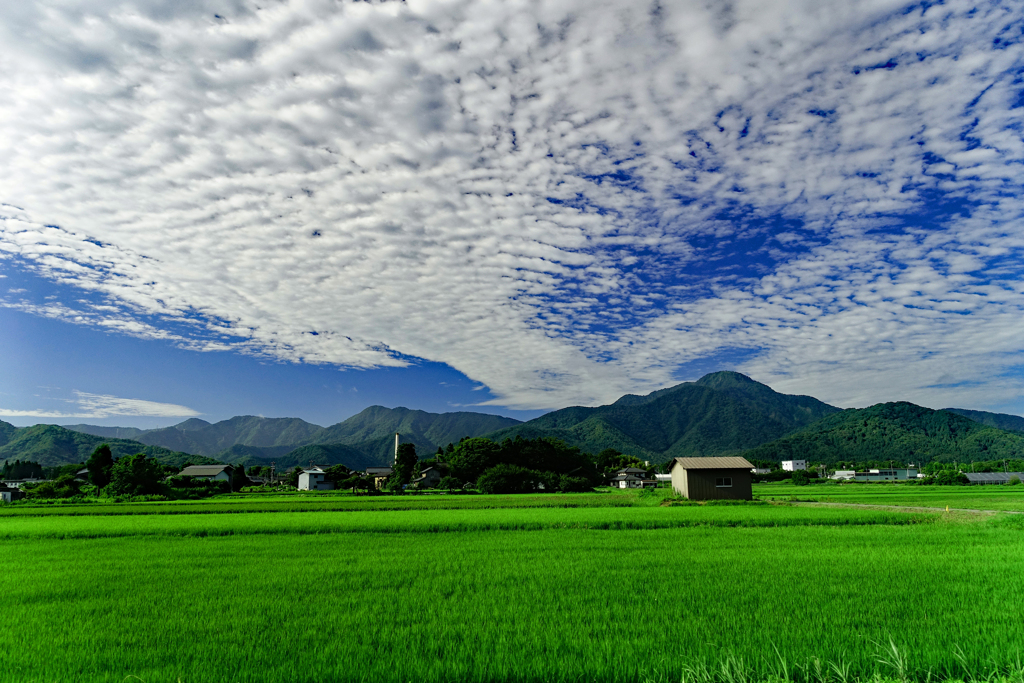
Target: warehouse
x,y
712,478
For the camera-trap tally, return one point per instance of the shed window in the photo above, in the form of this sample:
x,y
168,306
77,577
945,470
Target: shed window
x,y
723,482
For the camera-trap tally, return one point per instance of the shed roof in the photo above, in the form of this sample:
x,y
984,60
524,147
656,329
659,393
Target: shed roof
x,y
204,470
631,470
726,463
989,477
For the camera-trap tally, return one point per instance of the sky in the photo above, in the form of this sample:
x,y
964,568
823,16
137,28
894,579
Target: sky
x,y
305,207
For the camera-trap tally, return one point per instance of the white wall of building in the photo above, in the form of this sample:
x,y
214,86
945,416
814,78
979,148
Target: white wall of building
x,y
794,465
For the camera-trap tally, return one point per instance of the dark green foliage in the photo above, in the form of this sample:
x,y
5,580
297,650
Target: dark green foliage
x,y
898,432
449,483
238,478
472,457
65,486
1011,423
721,413
507,478
107,432
21,470
403,467
99,464
135,475
947,478
800,478
337,474
7,432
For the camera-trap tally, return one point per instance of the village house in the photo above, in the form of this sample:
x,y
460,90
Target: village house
x,y
314,479
794,465
208,472
378,475
428,479
9,494
712,478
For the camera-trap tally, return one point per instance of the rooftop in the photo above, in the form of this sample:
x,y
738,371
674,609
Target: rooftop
x,y
726,463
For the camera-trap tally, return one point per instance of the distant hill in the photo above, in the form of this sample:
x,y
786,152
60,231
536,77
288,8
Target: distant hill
x,y
373,430
902,432
106,432
1012,423
723,412
51,445
367,437
198,436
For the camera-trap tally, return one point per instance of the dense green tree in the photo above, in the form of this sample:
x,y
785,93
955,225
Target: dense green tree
x,y
135,475
508,478
404,467
100,463
65,486
449,483
238,478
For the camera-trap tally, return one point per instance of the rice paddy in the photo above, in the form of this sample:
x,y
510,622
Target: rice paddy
x,y
508,592
1008,498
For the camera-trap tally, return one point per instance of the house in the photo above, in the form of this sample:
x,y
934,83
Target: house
x,y
378,475
627,481
993,477
314,479
18,483
794,465
9,494
82,474
428,479
208,472
761,470
712,478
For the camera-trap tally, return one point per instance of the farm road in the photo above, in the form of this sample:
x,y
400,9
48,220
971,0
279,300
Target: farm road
x,y
908,508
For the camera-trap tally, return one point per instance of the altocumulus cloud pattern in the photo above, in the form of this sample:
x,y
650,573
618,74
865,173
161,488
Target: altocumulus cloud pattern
x,y
565,200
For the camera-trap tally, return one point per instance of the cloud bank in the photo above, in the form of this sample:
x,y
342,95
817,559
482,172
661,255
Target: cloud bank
x,y
94,406
566,201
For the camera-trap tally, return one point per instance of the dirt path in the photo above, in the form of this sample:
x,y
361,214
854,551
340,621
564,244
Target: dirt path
x,y
906,508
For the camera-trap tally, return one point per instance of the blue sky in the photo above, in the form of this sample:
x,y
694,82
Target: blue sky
x,y
308,207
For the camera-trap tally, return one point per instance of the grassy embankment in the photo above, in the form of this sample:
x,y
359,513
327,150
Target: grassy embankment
x,y
501,592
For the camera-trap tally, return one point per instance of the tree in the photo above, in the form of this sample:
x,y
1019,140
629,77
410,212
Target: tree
x,y
100,463
135,475
238,478
450,483
801,478
506,478
402,470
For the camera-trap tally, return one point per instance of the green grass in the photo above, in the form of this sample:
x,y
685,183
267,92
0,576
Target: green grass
x,y
1009,498
596,593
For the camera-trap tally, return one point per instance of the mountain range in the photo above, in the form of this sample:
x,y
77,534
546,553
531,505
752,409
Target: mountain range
x,y
721,413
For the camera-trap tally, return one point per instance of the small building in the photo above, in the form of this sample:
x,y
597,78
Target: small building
x,y
627,481
18,483
9,494
993,477
897,474
314,479
428,479
794,465
378,475
208,472
760,470
82,474
727,478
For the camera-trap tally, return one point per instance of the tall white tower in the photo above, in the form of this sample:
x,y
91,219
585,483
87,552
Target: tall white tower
x,y
396,448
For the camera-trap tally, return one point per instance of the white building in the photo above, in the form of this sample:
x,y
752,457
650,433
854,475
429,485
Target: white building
x,y
760,470
314,479
876,475
794,465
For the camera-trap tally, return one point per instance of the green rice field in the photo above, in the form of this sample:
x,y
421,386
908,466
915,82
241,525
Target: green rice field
x,y
1009,498
596,588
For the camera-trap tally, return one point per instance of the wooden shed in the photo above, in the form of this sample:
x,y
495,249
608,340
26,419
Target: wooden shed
x,y
712,478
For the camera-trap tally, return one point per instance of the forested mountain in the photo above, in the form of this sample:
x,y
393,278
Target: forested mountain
x,y
246,430
902,432
368,437
722,412
107,432
50,445
1011,423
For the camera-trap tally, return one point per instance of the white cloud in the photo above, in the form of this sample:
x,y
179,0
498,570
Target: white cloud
x,y
380,174
94,406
